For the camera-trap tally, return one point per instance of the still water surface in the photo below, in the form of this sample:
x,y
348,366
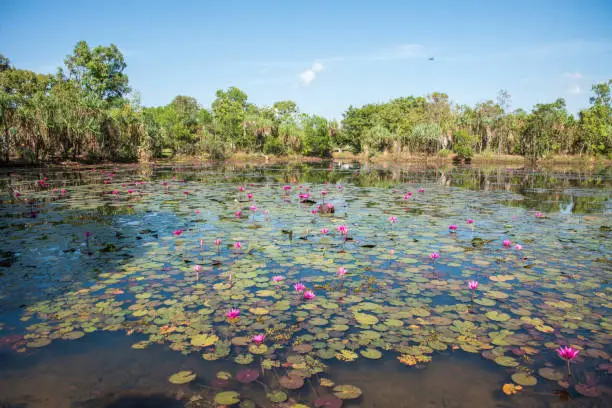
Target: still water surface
x,y
101,301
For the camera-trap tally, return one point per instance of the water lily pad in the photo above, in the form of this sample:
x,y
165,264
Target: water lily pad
x,y
227,398
346,392
371,353
498,316
204,340
551,374
328,401
506,361
247,375
291,381
258,348
524,379
277,396
588,391
182,377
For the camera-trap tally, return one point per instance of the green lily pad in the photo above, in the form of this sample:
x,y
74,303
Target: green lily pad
x,y
227,398
524,379
182,377
346,392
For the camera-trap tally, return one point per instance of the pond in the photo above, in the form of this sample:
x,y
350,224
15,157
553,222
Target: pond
x,y
311,285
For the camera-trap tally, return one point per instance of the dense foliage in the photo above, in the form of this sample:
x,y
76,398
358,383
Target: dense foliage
x,y
87,111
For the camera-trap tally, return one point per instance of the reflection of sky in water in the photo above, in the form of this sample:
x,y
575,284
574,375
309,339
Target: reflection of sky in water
x,y
560,265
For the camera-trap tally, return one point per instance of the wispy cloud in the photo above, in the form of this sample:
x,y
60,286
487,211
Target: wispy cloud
x,y
309,75
574,90
573,75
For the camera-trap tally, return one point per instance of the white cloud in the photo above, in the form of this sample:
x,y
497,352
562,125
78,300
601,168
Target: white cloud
x,y
573,75
575,89
309,75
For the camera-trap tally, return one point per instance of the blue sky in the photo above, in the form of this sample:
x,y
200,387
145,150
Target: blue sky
x,y
326,55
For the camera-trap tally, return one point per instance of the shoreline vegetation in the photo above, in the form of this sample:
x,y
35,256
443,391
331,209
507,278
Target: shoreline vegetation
x,y
88,113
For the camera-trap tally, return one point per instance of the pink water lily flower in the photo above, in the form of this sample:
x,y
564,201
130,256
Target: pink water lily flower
x,y
177,232
452,227
339,187
434,255
343,229
507,243
233,314
217,242
392,219
240,188
314,211
115,192
421,190
130,191
324,231
186,192
197,268
309,295
538,214
518,247
237,245
237,214
286,188
250,195
88,234
473,284
299,287
253,208
259,338
341,271
277,278
470,221
568,354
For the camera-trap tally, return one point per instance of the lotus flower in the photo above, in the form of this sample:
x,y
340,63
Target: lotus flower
x,y
130,191
473,284
277,278
392,219
217,242
177,232
538,214
286,188
186,192
324,192
267,212
240,188
324,231
343,229
434,256
237,214
568,354
452,228
470,221
339,187
115,192
341,271
197,268
507,243
518,247
392,252
249,196
88,234
259,338
308,295
314,211
299,287
233,314
421,190
253,208
237,245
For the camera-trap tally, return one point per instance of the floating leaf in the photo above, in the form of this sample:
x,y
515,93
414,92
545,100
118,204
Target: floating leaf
x,y
551,374
258,348
510,388
291,381
371,353
524,379
247,375
227,398
204,340
277,396
346,392
182,377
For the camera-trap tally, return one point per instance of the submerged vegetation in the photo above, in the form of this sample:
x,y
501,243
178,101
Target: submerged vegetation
x,y
86,111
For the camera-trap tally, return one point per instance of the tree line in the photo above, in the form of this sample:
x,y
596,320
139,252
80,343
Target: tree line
x,y
86,110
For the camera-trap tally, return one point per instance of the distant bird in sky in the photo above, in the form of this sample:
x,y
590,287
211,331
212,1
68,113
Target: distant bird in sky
x,y
431,58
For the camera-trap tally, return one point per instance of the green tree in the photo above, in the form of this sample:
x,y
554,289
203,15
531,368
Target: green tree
x,y
229,112
98,70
